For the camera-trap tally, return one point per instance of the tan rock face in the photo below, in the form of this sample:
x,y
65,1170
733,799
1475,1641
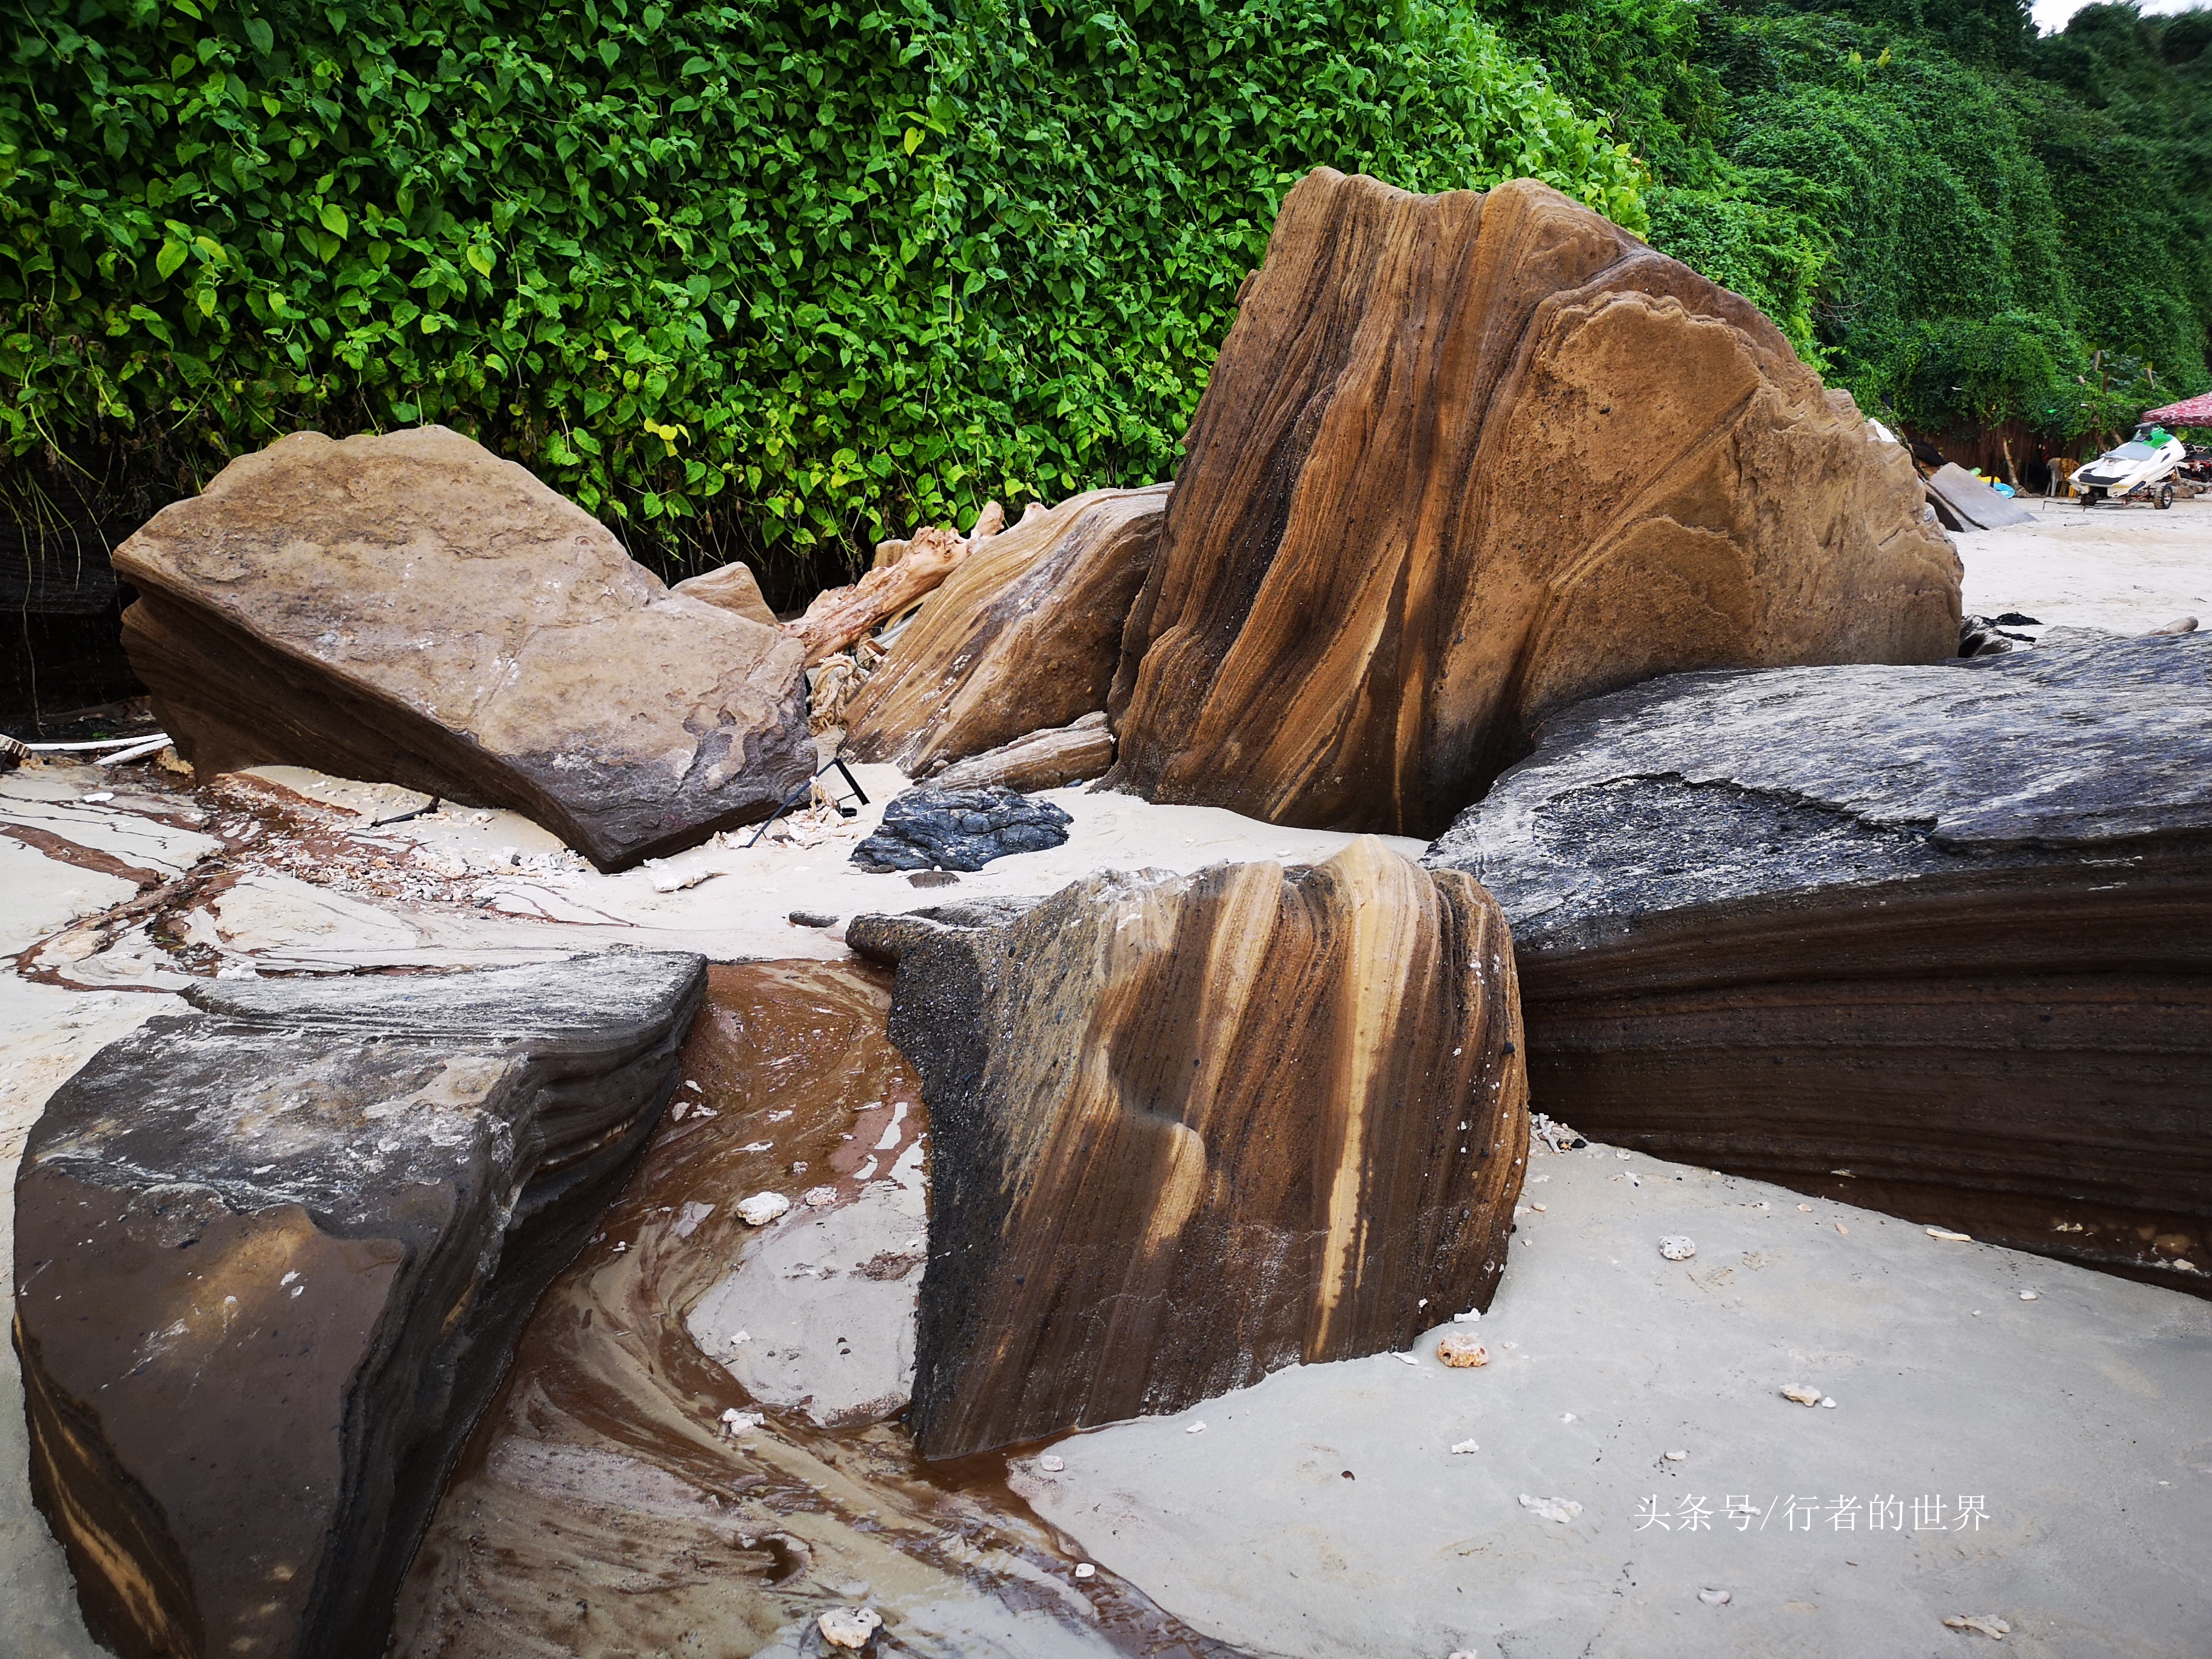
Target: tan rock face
x,y
734,587
1025,634
1187,1130
1467,459
412,609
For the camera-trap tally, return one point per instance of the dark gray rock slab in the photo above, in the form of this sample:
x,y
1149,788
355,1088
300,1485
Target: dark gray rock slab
x,y
271,1256
960,830
1962,501
1934,939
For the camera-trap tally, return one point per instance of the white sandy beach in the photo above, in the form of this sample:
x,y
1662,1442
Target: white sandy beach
x,y
2078,1418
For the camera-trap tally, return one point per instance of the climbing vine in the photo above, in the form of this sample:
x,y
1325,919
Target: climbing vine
x,y
748,275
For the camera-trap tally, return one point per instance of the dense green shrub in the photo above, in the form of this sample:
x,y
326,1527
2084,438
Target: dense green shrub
x,y
729,274
1908,185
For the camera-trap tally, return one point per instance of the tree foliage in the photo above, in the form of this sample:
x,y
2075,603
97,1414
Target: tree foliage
x,y
1946,213
732,275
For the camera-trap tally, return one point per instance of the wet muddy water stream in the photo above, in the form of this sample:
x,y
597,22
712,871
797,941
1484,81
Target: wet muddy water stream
x,y
603,1507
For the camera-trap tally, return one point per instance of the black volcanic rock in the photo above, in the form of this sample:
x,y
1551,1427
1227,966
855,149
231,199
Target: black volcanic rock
x,y
270,1258
1947,929
960,830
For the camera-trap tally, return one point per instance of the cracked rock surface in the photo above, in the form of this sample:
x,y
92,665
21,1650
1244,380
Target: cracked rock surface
x,y
270,1255
1937,940
960,830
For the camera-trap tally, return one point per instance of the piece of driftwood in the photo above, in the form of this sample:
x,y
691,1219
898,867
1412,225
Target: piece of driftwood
x,y
1188,1130
1026,635
1933,940
271,1256
988,523
1466,458
1042,760
840,615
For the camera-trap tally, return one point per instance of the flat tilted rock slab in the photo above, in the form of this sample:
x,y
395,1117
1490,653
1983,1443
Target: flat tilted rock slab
x,y
1187,1130
270,1260
1465,458
1947,929
412,609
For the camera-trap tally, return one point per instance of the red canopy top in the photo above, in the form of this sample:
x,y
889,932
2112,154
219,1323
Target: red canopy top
x,y
2194,411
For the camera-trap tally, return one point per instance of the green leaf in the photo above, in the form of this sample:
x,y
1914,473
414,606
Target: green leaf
x,y
260,37
480,258
914,138
333,218
171,254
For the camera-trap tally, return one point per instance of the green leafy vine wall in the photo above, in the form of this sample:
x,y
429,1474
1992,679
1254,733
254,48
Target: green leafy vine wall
x,y
751,277
1963,222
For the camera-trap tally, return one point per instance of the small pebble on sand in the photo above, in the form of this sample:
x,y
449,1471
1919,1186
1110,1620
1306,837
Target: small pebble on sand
x,y
1675,1248
2027,1296
1085,1570
1050,1464
761,1208
1801,1395
1561,1509
1988,1624
1462,1353
1195,1428
849,1627
1713,1598
1466,1446
1675,1456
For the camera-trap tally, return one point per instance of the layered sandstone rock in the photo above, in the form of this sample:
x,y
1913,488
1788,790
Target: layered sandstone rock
x,y
1936,941
271,1256
412,610
1189,1130
1465,458
1025,635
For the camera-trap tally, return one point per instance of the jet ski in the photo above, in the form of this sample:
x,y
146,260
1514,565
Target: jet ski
x,y
2142,467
